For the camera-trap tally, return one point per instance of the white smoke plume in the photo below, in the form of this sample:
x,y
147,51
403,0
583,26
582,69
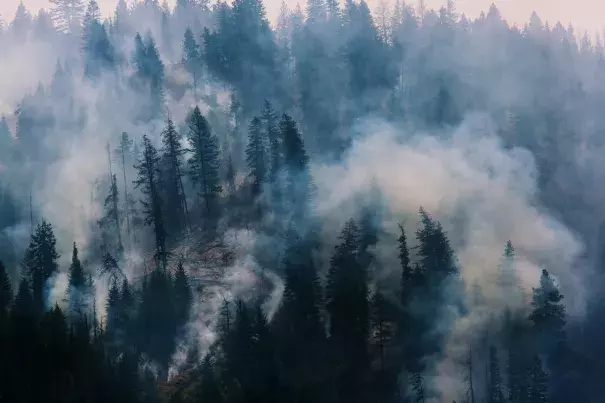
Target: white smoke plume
x,y
483,195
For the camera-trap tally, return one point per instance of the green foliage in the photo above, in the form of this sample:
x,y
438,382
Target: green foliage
x,y
148,180
204,161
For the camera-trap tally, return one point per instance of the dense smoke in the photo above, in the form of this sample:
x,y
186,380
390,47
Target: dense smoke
x,y
495,131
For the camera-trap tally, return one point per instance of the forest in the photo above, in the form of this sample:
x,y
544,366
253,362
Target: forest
x,y
200,205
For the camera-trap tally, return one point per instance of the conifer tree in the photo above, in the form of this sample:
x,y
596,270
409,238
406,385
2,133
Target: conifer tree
x,y
256,155
348,307
112,312
548,314
204,162
67,14
539,382
192,58
111,222
77,285
495,394
175,201
296,166
6,141
272,133
125,152
98,52
298,324
6,291
148,180
183,296
157,325
40,263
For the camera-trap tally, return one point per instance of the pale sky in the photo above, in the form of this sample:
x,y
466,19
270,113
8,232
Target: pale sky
x,y
584,14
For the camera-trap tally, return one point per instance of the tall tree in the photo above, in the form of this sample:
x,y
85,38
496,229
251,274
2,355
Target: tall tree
x,y
298,323
176,210
495,394
539,382
110,222
125,153
192,59
77,287
40,263
148,181
548,314
6,291
204,162
183,296
98,52
256,151
67,14
348,307
296,163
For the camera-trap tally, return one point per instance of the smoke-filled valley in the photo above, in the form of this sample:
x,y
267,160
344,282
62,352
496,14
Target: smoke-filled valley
x,y
199,206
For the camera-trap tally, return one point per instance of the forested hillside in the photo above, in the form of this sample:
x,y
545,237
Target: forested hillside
x,y
396,205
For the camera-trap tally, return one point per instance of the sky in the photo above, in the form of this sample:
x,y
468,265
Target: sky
x,y
583,14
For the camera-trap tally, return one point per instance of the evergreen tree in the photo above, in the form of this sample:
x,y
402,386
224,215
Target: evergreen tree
x,y
298,323
40,263
204,162
273,136
296,164
157,325
149,76
539,382
348,307
67,14
77,293
183,296
548,314
112,313
6,291
110,223
98,52
256,155
176,211
125,152
6,142
148,180
192,58
495,394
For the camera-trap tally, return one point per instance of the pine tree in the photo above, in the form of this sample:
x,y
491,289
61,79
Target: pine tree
x,y
149,75
111,222
148,180
183,296
548,314
6,291
296,165
6,142
495,394
40,263
539,383
98,52
125,152
157,325
348,307
176,210
155,69
77,286
298,324
112,313
192,58
67,14
256,155
204,162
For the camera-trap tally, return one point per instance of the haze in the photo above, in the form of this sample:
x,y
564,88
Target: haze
x,y
583,14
